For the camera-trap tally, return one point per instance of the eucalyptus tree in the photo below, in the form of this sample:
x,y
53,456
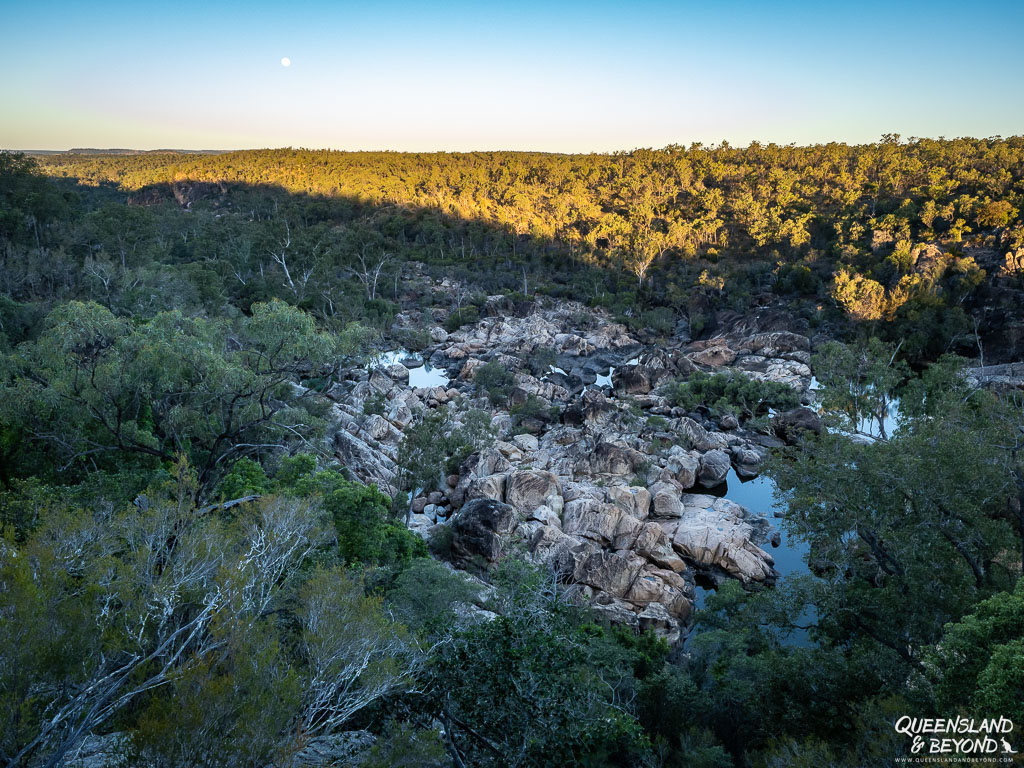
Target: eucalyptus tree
x,y
906,532
96,388
212,636
101,609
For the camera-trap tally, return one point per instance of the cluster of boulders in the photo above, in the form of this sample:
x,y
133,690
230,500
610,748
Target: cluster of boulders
x,y
548,330
613,513
428,509
774,356
1004,376
604,481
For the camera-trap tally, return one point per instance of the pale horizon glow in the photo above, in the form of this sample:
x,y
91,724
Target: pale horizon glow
x,y
555,76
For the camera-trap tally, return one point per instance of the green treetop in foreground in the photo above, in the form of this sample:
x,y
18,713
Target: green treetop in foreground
x,y
94,386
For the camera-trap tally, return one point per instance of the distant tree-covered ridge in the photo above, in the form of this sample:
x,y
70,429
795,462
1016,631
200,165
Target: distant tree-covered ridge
x,y
919,239
922,237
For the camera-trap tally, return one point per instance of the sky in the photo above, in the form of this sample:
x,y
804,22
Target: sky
x,y
551,76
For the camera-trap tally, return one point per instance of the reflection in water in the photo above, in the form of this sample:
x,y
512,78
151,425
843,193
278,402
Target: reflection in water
x,y
422,375
757,495
869,425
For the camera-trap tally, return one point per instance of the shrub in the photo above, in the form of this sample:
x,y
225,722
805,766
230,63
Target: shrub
x,y
583,321
441,542
405,745
379,313
425,596
367,533
292,468
437,445
541,359
661,320
374,404
414,339
535,408
731,393
460,317
492,379
796,278
655,421
245,478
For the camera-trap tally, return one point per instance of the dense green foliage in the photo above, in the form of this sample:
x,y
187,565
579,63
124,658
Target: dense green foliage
x,y
160,617
911,604
439,444
530,683
983,654
922,239
731,393
367,533
94,388
493,380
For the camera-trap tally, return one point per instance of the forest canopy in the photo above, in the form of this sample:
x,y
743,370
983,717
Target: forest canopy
x,y
921,238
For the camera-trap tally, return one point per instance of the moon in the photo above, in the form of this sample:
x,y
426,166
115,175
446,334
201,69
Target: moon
x,y
286,62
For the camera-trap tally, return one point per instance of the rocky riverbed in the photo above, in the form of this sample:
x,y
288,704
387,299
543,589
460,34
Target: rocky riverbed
x,y
601,479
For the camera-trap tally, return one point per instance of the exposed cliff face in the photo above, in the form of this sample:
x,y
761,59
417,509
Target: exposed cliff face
x,y
611,500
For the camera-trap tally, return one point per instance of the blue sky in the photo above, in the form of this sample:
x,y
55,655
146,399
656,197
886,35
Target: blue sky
x,y
555,76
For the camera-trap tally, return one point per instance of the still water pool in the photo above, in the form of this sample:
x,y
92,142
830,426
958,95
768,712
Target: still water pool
x,y
757,495
421,374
